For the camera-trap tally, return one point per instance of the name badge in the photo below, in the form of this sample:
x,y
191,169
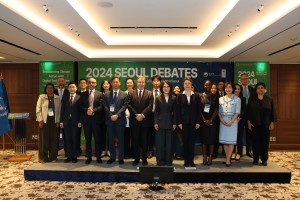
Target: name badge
x,y
206,108
50,112
112,107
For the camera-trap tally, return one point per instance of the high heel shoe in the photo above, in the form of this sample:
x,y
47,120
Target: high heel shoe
x,y
204,160
237,159
209,160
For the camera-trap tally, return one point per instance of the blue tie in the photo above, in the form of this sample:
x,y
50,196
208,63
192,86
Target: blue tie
x,y
115,97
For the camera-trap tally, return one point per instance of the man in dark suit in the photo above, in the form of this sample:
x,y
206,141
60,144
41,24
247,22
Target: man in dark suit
x,y
69,121
115,104
140,105
92,116
247,92
156,81
82,85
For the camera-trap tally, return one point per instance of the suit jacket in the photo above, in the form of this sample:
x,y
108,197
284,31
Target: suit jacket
x,y
42,108
99,114
145,108
66,92
164,114
67,109
120,107
188,113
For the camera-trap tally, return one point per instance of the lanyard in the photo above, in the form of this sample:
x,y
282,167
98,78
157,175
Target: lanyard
x,y
205,99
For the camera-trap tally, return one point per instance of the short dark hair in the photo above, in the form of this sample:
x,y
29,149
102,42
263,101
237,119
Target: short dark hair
x,y
221,81
187,79
102,83
115,78
213,84
193,85
260,83
72,82
45,92
207,81
83,79
158,77
129,79
162,86
232,85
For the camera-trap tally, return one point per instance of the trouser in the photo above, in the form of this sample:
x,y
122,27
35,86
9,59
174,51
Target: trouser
x,y
164,146
189,136
178,142
140,137
151,138
238,148
116,130
249,139
92,127
71,139
127,141
260,145
48,141
103,137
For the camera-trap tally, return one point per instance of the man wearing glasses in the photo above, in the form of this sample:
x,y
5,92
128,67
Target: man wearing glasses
x,y
91,107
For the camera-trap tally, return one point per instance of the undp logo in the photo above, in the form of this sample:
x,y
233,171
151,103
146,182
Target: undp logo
x,y
205,74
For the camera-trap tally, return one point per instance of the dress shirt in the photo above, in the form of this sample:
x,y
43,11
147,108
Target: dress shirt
x,y
188,97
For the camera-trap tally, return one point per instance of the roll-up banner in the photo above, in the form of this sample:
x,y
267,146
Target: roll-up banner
x,y
171,71
256,71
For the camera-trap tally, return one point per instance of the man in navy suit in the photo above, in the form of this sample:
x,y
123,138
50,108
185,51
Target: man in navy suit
x,y
115,104
92,116
140,105
69,121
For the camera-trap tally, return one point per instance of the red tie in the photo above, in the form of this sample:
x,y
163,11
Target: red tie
x,y
140,96
71,100
91,98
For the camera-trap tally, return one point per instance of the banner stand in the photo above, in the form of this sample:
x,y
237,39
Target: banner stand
x,y
20,137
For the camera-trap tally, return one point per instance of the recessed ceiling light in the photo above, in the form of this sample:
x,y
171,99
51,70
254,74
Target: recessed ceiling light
x,y
105,4
2,57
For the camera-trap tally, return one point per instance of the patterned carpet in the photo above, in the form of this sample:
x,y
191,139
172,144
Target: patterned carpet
x,y
13,185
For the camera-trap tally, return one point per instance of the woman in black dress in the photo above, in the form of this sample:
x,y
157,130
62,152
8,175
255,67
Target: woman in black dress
x,y
209,125
261,116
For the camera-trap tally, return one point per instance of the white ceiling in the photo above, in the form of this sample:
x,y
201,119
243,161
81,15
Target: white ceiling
x,y
26,25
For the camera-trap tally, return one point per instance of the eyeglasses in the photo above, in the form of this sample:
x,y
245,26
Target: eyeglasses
x,y
91,82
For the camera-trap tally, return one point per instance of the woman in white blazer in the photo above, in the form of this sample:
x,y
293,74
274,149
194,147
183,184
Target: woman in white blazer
x,y
48,116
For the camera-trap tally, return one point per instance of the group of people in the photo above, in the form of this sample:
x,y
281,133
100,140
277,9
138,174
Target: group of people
x,y
162,117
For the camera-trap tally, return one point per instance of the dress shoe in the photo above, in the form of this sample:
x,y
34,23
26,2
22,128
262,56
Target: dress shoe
x,y
88,161
205,163
264,163
209,162
99,160
238,157
135,163
192,164
74,160
255,162
121,162
249,154
144,163
110,161
68,160
228,165
186,164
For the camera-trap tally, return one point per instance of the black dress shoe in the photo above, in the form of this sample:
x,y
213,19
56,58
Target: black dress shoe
x,y
186,164
255,162
88,161
228,165
99,160
121,162
110,161
135,163
264,163
249,154
192,164
74,160
144,163
205,163
68,160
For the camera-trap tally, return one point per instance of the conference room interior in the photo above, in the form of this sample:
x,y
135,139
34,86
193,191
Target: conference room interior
x,y
191,32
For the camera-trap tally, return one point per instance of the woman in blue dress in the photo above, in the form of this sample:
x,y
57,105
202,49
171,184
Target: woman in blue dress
x,y
229,110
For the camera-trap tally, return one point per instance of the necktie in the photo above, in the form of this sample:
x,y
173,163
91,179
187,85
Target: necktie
x,y
245,92
115,97
60,94
155,93
71,100
91,99
140,96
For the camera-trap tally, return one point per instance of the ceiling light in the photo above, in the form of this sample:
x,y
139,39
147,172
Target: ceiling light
x,y
229,34
237,27
77,33
70,27
260,8
2,57
45,8
293,38
104,4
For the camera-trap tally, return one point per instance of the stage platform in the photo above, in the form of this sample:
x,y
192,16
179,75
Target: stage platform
x,y
240,172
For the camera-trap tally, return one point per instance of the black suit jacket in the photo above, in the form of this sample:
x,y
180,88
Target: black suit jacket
x,y
164,114
145,108
188,113
120,107
251,90
66,92
97,107
67,109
